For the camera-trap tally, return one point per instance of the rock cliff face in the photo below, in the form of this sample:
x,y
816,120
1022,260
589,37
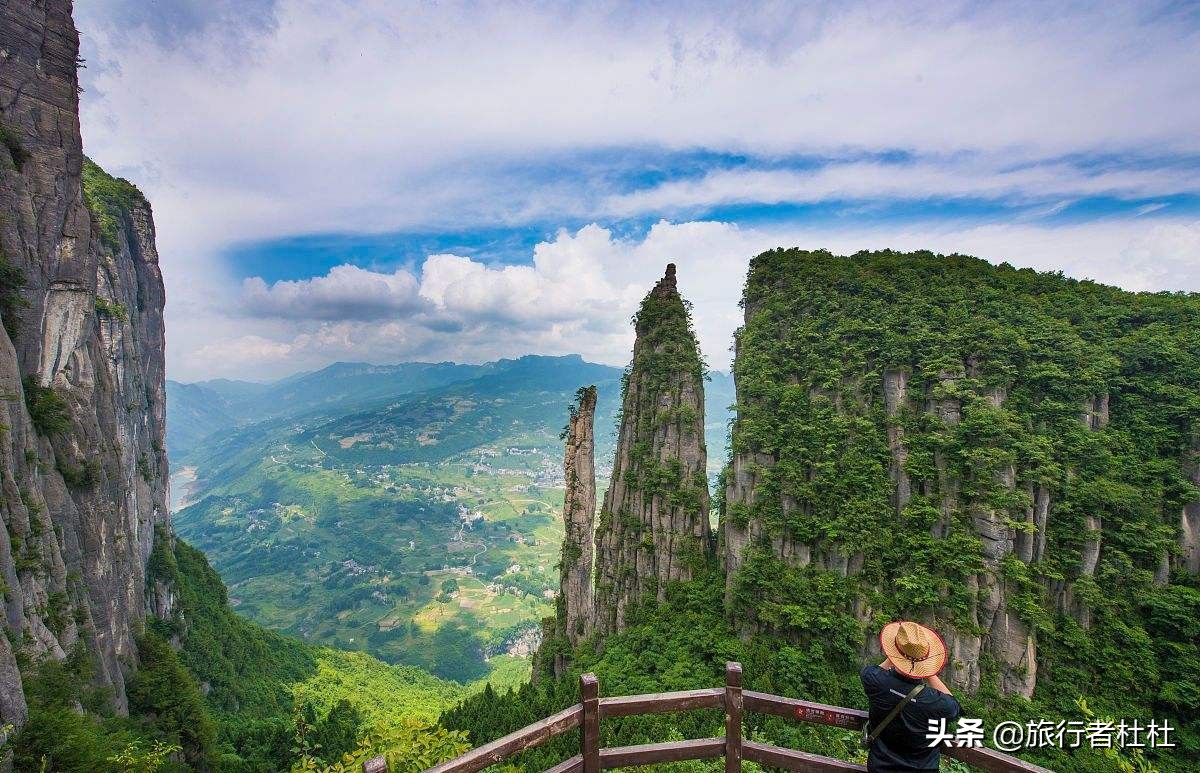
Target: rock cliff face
x,y
579,516
83,470
575,611
1189,519
1010,457
653,526
911,426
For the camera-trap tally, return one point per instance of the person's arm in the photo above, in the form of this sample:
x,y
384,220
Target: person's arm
x,y
887,663
936,683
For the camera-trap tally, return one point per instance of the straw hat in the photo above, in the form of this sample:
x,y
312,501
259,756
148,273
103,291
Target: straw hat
x,y
914,650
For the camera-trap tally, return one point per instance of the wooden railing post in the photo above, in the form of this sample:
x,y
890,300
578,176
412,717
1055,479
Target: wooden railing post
x,y
589,733
733,717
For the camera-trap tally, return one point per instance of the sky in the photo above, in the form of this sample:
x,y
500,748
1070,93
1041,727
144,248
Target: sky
x,y
363,180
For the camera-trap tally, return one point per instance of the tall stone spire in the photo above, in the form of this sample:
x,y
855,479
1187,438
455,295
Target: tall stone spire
x,y
579,518
653,526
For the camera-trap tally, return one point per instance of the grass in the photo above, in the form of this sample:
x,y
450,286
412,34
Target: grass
x,y
47,408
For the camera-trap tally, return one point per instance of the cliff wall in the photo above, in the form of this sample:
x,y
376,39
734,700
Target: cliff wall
x,y
83,469
579,516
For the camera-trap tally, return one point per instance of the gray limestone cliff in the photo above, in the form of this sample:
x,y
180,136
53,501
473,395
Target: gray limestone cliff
x,y
83,468
574,616
579,519
988,627
653,525
1189,518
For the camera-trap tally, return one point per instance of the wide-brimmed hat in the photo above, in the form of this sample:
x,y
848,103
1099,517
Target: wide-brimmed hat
x,y
914,650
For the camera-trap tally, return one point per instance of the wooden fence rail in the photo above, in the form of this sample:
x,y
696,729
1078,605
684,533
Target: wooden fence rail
x,y
587,714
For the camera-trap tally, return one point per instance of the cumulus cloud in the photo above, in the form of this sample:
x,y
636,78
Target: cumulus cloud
x,y
346,292
581,288
272,118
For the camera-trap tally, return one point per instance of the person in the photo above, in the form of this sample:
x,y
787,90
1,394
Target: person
x,y
915,656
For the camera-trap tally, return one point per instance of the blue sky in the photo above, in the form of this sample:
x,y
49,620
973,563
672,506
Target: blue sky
x,y
378,181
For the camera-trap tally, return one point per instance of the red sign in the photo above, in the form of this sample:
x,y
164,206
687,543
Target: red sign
x,y
824,716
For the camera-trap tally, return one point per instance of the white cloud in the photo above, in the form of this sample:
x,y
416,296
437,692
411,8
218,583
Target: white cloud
x,y
375,115
341,116
973,178
578,295
346,292
239,354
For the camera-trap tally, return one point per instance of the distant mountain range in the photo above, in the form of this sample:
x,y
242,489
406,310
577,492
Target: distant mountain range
x,y
358,391
198,409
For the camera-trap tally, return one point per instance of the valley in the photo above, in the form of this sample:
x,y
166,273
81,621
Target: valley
x,y
423,527
379,566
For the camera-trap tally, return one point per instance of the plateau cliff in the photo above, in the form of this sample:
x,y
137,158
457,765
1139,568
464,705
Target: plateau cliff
x,y
83,470
1000,453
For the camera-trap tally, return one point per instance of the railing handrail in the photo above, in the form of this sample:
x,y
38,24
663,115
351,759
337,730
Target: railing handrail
x,y
591,758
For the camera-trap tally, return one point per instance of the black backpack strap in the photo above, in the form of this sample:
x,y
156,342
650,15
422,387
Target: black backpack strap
x,y
870,739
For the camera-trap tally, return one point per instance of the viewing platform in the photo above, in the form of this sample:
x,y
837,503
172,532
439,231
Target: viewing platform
x,y
587,714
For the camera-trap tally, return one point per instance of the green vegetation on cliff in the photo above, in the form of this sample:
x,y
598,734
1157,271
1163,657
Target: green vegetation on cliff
x,y
667,360
12,301
667,343
108,198
11,140
1020,354
1018,388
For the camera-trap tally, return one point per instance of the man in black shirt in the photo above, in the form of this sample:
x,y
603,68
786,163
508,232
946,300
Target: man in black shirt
x,y
915,653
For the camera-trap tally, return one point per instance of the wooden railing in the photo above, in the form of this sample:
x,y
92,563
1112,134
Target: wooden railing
x,y
592,708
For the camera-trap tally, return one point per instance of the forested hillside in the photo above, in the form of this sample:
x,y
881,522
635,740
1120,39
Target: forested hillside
x,y
214,691
1007,455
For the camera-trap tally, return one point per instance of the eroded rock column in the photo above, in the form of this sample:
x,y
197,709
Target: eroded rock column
x,y
579,518
653,527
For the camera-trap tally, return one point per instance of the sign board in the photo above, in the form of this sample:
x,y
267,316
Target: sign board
x,y
824,716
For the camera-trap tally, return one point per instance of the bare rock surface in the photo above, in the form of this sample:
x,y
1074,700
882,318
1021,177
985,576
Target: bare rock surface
x,y
81,494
